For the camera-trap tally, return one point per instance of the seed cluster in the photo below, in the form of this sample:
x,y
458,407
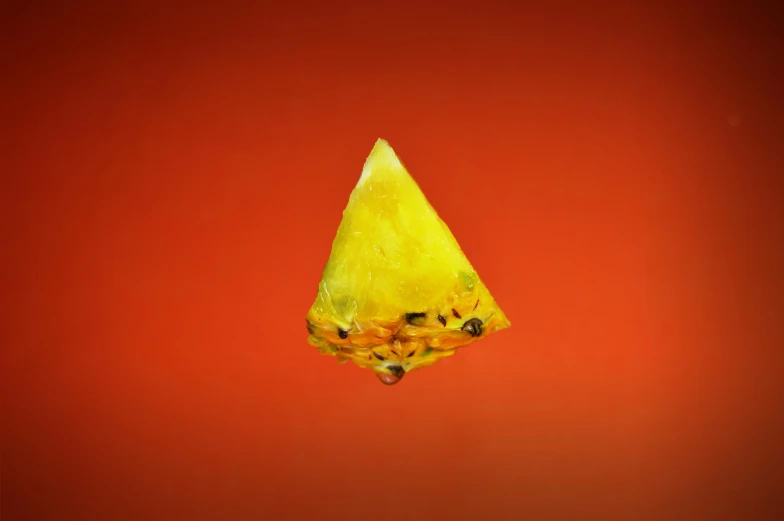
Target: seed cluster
x,y
472,326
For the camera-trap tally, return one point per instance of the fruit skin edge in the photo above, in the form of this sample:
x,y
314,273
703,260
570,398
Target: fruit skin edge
x,y
385,347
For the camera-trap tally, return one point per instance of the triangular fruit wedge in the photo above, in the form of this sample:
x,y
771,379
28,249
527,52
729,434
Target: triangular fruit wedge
x,y
397,293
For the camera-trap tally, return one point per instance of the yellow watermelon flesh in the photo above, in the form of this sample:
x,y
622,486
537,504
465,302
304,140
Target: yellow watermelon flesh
x,y
397,292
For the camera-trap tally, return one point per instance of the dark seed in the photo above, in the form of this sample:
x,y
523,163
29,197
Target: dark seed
x,y
378,356
442,320
477,303
455,313
342,334
395,352
473,326
397,370
410,354
412,317
310,328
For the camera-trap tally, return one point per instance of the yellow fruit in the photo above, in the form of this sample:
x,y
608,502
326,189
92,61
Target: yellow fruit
x,y
397,293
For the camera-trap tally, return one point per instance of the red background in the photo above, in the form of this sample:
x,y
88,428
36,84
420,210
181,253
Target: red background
x,y
177,174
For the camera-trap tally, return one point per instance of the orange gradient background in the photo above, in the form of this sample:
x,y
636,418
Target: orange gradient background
x,y
174,178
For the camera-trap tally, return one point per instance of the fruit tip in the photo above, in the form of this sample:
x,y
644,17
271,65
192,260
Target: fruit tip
x,y
382,153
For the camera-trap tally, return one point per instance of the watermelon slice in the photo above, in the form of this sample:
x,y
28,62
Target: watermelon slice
x,y
397,293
